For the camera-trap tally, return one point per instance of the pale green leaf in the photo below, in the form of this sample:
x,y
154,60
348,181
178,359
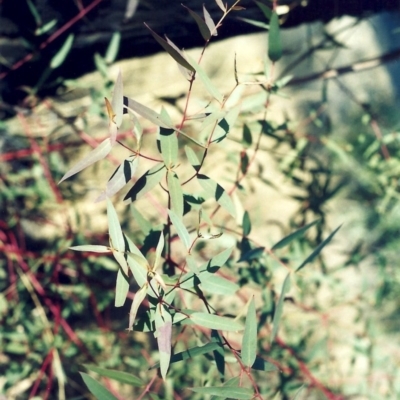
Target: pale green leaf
x,y
204,30
246,224
164,334
146,182
209,21
279,307
261,365
97,389
226,124
139,268
137,301
221,5
216,322
117,101
159,249
249,341
143,223
114,228
119,376
214,190
286,240
62,54
318,249
217,261
192,157
274,39
121,289
180,228
265,9
175,192
238,393
92,247
215,284
113,48
97,154
169,146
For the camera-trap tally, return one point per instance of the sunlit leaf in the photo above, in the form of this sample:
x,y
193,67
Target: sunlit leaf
x,y
212,283
265,9
214,190
217,261
209,86
97,154
286,240
137,301
175,192
318,249
184,71
119,376
146,182
143,223
216,322
203,27
226,124
130,9
209,21
62,54
238,393
122,175
274,39
180,229
92,247
159,249
139,268
297,395
170,50
192,157
249,341
121,289
117,102
113,48
97,389
169,146
164,334
221,5
279,307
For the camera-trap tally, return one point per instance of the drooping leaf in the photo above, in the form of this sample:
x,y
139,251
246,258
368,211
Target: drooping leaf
x,y
139,268
175,192
146,112
212,283
318,249
187,74
249,341
170,50
209,21
279,307
221,5
122,175
62,54
146,182
121,289
113,48
117,102
169,146
274,39
180,229
216,322
288,239
119,376
192,157
143,223
97,154
203,27
137,301
214,190
92,247
96,388
209,86
225,124
164,334
159,249
238,393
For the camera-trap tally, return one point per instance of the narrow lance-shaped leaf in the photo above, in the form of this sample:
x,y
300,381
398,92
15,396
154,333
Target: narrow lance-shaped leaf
x,y
169,146
61,55
175,192
119,376
164,334
180,228
121,289
159,249
96,388
239,393
137,301
286,240
274,39
203,27
215,284
265,9
192,157
97,154
279,307
188,74
92,247
122,175
210,23
249,341
318,249
117,101
221,5
170,50
216,322
112,126
113,48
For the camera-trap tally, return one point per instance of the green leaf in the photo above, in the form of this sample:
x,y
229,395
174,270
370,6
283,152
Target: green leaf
x,y
192,157
34,12
97,389
175,192
226,124
216,322
247,139
252,254
170,50
146,182
318,249
274,39
209,86
137,301
169,146
298,393
146,112
265,9
159,249
214,190
91,247
139,268
97,154
215,284
46,27
261,365
218,261
204,30
144,225
191,353
117,101
61,55
121,289
286,240
122,175
221,5
113,48
180,229
238,393
246,224
164,334
119,376
209,21
249,341
279,307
